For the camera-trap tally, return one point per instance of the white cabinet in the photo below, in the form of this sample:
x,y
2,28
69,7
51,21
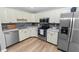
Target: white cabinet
x,y
52,36
10,15
22,16
30,18
9,21
2,39
23,34
28,32
21,20
54,20
33,31
16,15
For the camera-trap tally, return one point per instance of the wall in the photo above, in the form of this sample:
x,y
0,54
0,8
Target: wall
x,y
7,14
54,15
2,39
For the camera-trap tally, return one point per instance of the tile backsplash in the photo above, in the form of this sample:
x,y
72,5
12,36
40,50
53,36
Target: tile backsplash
x,y
25,25
55,25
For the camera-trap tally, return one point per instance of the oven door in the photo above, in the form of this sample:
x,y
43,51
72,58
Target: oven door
x,y
42,32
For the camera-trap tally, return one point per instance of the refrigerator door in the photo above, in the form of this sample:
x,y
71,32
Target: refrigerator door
x,y
63,36
74,42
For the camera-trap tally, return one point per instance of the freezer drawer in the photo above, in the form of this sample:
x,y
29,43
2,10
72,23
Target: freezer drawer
x,y
11,37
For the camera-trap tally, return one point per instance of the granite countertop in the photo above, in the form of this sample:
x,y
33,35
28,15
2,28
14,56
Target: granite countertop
x,y
28,27
53,29
8,30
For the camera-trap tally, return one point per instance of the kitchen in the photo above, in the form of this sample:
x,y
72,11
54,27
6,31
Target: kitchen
x,y
26,29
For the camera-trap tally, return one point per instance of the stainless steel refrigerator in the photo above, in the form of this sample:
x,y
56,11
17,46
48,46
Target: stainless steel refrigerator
x,y
68,37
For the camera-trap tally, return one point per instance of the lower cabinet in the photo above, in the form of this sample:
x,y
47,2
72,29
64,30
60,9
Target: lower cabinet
x,y
33,31
52,37
23,34
28,32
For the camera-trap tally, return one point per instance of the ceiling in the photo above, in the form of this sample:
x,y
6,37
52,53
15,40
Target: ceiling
x,y
35,9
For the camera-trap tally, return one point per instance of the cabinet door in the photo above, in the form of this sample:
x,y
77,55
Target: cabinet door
x,y
9,16
3,15
54,20
52,37
27,33
33,31
21,34
24,33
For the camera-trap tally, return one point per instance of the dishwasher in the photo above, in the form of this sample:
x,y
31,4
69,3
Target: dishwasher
x,y
11,37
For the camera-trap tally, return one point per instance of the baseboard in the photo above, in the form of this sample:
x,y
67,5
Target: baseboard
x,y
4,50
28,38
61,50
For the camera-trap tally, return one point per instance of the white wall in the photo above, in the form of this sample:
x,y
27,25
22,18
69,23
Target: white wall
x,y
6,14
2,39
54,15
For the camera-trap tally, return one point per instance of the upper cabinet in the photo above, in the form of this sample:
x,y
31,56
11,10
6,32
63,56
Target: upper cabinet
x,y
54,15
2,15
18,15
9,15
54,20
29,17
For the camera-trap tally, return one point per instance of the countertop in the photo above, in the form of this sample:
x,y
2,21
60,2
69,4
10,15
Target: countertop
x,y
29,27
53,29
9,30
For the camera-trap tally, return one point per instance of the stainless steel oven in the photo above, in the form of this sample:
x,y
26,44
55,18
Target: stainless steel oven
x,y
42,33
43,26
